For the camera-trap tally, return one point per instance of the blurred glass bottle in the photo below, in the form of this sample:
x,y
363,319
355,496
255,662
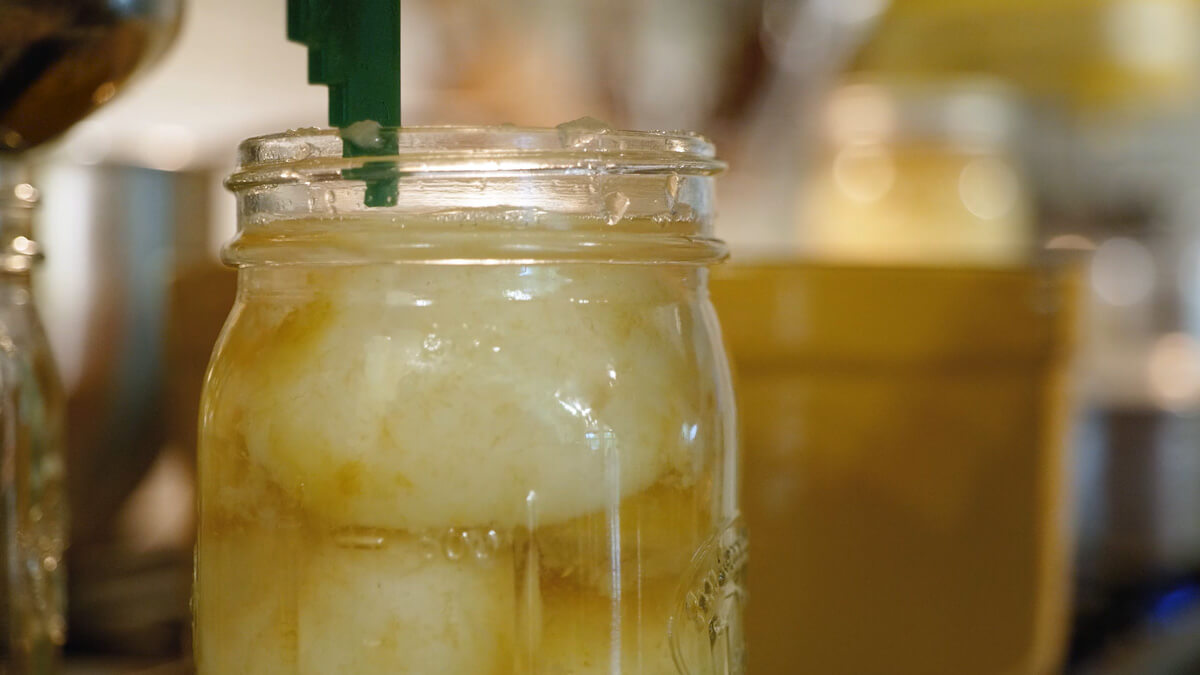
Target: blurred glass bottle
x,y
32,503
903,388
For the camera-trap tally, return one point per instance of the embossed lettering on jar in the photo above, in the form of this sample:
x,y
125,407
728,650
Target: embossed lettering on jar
x,y
486,430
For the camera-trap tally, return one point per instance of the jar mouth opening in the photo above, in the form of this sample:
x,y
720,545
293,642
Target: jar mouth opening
x,y
570,149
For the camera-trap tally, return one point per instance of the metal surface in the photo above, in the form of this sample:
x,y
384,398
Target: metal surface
x,y
104,290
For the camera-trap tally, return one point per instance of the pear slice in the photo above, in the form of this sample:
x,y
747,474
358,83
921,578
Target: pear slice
x,y
373,601
245,607
502,396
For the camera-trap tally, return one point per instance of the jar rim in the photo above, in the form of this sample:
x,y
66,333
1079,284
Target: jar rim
x,y
581,147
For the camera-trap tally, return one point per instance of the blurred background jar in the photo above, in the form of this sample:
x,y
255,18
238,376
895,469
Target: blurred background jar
x,y
918,171
904,389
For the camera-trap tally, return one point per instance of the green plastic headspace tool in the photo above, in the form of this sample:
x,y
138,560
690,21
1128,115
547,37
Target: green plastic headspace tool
x,y
354,49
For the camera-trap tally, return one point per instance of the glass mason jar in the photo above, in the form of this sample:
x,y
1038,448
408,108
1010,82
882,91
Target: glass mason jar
x,y
905,387
486,429
32,405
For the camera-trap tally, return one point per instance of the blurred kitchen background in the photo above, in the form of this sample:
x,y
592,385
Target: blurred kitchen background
x,y
952,135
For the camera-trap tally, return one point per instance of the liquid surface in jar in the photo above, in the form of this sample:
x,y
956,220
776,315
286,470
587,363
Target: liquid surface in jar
x,y
461,469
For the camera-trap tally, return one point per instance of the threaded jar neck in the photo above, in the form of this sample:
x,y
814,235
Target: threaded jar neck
x,y
580,192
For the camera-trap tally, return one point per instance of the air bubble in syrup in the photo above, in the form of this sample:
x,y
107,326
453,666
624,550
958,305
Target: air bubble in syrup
x,y
454,544
428,546
360,537
485,544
